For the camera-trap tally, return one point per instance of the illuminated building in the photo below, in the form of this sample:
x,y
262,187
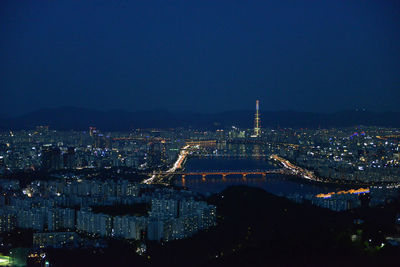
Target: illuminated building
x,y
94,223
191,217
163,152
7,221
168,207
60,219
92,131
257,130
126,227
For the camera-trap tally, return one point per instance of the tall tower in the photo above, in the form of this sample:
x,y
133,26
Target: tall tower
x,y
257,132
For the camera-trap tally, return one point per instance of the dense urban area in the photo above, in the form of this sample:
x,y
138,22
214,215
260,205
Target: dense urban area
x,y
365,154
68,190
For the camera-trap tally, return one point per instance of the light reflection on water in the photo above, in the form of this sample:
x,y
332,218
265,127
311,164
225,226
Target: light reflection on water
x,y
255,158
273,183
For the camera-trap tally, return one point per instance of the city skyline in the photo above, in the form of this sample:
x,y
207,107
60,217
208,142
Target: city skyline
x,y
154,191
114,120
199,133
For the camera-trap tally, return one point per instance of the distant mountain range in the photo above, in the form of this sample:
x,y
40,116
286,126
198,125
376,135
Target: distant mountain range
x,y
68,118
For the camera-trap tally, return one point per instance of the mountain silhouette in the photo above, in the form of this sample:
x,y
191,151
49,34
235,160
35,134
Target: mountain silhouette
x,y
74,118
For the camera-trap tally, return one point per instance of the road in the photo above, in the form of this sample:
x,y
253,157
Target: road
x,y
159,177
296,170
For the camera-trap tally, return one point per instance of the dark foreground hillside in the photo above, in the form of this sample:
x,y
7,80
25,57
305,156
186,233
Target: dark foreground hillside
x,y
256,229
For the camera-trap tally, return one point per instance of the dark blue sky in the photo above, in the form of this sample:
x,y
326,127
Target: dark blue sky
x,y
205,56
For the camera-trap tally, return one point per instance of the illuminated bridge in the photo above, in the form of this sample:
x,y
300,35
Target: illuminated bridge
x,y
224,174
234,156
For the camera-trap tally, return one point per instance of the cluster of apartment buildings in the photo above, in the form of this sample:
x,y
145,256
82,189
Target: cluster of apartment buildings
x,y
54,208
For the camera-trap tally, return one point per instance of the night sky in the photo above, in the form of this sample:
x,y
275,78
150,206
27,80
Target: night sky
x,y
203,56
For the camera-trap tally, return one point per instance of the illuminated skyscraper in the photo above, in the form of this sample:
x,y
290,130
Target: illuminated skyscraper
x,y
257,132
92,131
163,152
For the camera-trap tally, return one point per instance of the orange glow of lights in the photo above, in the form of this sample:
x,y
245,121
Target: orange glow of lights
x,y
351,191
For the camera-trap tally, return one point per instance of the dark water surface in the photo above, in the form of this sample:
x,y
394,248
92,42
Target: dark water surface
x,y
274,183
240,157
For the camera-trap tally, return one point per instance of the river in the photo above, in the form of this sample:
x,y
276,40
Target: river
x,y
256,158
274,183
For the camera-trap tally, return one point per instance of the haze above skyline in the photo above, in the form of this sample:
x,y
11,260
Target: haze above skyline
x,y
203,56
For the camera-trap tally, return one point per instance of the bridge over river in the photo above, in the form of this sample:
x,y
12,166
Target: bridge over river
x,y
224,174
